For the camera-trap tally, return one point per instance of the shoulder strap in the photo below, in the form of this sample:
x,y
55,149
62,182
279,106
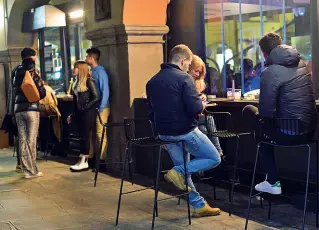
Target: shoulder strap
x,y
14,71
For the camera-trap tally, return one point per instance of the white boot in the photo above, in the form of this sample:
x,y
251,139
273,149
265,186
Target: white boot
x,y
81,165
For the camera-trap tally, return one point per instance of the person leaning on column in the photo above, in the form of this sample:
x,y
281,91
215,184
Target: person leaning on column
x,y
102,84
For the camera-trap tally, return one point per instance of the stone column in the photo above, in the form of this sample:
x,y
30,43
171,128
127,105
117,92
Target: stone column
x,y
132,54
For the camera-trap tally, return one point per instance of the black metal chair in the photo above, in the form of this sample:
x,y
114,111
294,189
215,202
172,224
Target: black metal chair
x,y
224,130
97,156
16,145
46,135
135,130
274,128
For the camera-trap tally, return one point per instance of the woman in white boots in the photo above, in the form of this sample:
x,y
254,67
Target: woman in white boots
x,y
85,100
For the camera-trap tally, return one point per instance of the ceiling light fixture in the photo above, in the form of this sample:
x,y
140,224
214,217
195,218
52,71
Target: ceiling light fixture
x,y
76,14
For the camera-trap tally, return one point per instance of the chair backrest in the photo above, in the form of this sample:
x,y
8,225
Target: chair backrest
x,y
222,120
138,128
289,126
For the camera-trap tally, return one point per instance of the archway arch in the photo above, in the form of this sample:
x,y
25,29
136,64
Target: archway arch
x,y
15,38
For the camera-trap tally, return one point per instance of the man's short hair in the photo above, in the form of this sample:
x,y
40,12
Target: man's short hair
x,y
95,53
180,52
269,42
28,52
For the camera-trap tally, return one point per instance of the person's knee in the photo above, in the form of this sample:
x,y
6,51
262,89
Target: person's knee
x,y
218,159
215,157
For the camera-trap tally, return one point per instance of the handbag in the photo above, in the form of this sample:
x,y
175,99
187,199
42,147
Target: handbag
x,y
29,88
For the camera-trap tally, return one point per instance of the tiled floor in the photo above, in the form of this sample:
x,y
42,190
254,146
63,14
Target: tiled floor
x,y
65,200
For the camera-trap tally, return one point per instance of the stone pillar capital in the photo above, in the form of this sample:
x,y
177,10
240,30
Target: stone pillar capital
x,y
128,34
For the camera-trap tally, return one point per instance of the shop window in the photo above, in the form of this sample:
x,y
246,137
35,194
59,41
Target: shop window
x,y
233,31
52,59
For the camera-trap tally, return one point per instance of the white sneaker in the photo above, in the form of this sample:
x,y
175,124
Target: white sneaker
x,y
30,176
274,189
81,165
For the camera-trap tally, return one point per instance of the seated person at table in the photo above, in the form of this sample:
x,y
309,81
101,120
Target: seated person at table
x,y
286,91
174,106
197,70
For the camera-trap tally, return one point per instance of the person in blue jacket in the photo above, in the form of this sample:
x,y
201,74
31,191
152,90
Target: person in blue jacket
x,y
102,83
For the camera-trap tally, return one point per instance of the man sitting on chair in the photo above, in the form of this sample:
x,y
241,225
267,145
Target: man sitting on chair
x,y
174,107
286,91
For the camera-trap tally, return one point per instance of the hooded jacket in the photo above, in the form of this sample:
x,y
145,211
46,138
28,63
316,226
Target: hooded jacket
x,y
286,89
173,101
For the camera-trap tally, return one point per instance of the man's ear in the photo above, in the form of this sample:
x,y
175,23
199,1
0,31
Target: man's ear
x,y
265,55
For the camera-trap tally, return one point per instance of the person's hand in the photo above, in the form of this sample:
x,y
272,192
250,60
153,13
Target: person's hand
x,y
69,119
203,97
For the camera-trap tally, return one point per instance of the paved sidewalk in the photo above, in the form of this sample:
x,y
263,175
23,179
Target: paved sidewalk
x,y
65,200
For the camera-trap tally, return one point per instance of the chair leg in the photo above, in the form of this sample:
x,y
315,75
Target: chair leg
x,y
186,183
317,185
46,150
156,186
98,158
122,180
269,207
130,161
214,189
307,185
234,177
14,147
252,186
155,176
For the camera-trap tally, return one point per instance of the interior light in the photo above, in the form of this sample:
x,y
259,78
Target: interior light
x,y
76,14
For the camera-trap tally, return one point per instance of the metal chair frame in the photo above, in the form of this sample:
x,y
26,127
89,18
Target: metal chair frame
x,y
151,141
98,156
224,130
294,127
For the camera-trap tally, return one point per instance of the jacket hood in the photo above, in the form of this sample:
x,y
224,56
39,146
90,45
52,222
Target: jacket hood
x,y
284,55
28,64
97,68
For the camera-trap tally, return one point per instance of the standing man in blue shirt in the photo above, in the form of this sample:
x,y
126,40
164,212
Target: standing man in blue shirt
x,y
102,83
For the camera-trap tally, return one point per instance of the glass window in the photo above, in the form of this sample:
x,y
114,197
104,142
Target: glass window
x,y
52,59
84,43
72,35
78,43
232,36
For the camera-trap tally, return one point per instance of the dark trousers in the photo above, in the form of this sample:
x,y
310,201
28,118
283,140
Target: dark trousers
x,y
251,117
86,121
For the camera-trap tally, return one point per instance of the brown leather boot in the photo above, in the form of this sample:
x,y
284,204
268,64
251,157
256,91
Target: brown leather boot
x,y
206,211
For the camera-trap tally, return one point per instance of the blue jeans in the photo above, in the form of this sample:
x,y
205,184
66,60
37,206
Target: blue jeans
x,y
206,157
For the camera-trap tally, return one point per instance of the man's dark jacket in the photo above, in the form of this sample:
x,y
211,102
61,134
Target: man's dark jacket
x,y
19,100
286,89
174,103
